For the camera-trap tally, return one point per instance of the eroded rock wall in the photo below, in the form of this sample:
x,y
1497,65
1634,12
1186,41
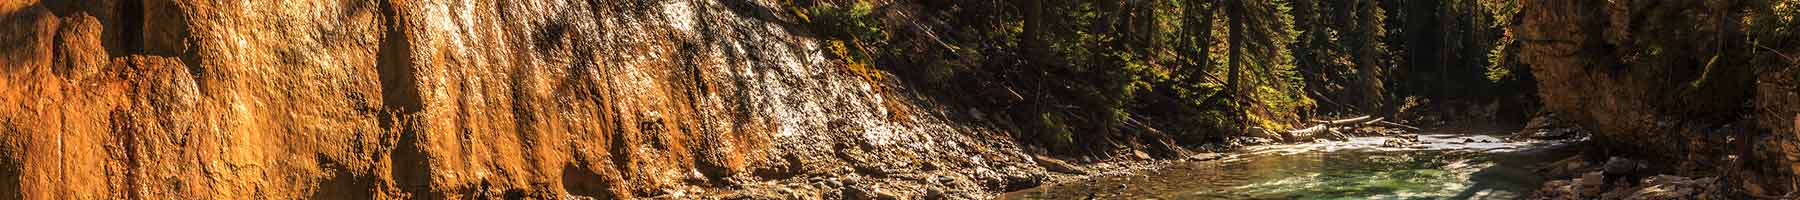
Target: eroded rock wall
x,y
454,99
1675,81
1777,111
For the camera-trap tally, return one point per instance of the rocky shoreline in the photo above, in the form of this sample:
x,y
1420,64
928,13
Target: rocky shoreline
x,y
1590,182
1588,176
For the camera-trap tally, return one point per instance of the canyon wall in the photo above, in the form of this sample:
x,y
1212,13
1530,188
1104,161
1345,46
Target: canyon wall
x,y
1704,83
456,99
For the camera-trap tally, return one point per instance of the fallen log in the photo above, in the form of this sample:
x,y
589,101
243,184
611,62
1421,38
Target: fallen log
x,y
1341,122
1374,121
1305,133
1313,129
1326,129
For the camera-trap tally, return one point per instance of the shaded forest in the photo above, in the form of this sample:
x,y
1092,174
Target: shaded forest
x,y
1701,82
1084,76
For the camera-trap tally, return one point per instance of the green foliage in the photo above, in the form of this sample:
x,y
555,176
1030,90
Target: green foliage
x,y
1274,93
1100,71
1053,132
1498,69
846,22
1110,72
1503,11
1706,74
847,30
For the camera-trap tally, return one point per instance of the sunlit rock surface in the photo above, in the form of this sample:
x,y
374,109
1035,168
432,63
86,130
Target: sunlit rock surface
x,y
456,99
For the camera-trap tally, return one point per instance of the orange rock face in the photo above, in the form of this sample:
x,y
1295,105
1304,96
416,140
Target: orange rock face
x,y
449,99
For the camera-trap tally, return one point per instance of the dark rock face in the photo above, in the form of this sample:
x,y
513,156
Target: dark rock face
x,y
453,99
1776,111
1607,66
1619,166
1665,81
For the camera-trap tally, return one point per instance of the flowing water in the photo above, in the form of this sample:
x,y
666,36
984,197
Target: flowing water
x,y
1448,165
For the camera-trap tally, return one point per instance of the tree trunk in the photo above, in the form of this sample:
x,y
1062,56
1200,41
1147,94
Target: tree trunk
x,y
1032,33
1148,26
1362,40
1198,18
1206,36
1234,12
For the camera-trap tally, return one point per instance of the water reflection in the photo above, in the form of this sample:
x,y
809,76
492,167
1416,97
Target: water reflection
x,y
1438,167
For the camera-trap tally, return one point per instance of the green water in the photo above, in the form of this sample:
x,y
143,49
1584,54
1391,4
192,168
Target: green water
x,y
1442,166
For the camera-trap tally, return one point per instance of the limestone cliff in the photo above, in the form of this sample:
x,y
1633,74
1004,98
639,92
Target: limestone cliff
x,y
455,99
1675,81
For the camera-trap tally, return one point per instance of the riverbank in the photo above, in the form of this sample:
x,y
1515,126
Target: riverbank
x,y
944,179
1575,178
1484,163
1016,167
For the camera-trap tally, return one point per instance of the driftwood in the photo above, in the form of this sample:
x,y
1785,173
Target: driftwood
x,y
1372,122
1343,122
1309,130
1305,133
1382,122
1355,120
1329,128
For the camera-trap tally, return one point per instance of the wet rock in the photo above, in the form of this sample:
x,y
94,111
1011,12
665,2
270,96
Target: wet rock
x,y
1674,187
1619,168
1463,141
1401,141
1560,133
1549,126
1557,190
934,193
1563,130
1058,165
1542,121
1017,182
1588,186
868,193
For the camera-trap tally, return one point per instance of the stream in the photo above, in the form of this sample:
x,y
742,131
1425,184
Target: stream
x,y
1442,164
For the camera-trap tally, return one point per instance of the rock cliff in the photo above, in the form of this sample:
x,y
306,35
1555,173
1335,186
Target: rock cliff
x,y
1708,84
457,99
